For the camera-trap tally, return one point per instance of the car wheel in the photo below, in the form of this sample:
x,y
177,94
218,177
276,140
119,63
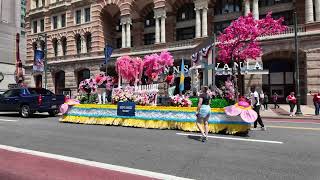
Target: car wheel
x,y
25,111
53,113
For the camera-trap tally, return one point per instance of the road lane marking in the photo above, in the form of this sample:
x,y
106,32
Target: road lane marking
x,y
93,163
233,138
8,120
291,127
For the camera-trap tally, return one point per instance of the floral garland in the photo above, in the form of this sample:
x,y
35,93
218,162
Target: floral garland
x,y
181,101
88,86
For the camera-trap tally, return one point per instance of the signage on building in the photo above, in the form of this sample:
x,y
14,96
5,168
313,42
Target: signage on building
x,y
176,70
126,109
249,67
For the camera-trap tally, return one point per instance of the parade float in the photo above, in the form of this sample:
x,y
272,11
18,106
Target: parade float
x,y
135,105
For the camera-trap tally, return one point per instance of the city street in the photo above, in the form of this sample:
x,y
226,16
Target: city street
x,y
288,150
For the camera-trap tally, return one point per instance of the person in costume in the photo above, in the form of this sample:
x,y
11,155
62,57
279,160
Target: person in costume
x,y
101,81
203,113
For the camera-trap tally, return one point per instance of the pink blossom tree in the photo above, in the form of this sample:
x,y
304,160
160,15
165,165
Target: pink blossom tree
x,y
239,41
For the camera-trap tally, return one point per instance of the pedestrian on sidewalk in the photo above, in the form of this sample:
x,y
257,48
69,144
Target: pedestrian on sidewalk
x,y
203,113
316,102
262,100
255,103
292,100
266,101
275,100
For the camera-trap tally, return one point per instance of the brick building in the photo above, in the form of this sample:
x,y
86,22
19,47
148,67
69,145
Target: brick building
x,y
79,29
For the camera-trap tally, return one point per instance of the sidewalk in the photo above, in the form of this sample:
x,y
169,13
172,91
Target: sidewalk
x,y
283,112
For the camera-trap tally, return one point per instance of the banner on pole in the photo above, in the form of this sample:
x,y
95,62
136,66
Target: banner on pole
x,y
38,63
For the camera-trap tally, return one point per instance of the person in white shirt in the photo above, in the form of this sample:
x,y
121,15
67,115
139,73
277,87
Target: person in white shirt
x,y
255,103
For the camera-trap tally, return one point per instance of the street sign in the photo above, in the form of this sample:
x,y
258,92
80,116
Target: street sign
x,y
126,109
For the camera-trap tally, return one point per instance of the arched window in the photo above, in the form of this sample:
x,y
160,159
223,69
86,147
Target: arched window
x,y
43,45
88,42
78,43
186,12
59,82
64,45
149,20
82,75
55,47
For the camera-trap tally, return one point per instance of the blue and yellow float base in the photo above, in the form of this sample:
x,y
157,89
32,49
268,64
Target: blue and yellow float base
x,y
156,117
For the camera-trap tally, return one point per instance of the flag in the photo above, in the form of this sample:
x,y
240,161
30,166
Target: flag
x,y
181,86
107,53
38,64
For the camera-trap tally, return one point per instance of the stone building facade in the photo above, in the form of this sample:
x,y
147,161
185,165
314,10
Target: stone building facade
x,y
78,31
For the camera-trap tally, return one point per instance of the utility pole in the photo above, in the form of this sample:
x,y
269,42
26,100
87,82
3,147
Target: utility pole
x,y
298,112
45,50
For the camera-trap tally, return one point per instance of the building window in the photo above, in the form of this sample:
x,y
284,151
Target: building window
x,y
55,22
64,45
185,33
228,6
88,42
83,74
149,20
220,26
186,12
63,20
55,47
263,3
87,14
78,16
149,39
42,25
119,26
35,26
78,43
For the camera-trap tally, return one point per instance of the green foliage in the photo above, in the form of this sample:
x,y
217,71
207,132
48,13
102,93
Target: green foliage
x,y
215,103
88,99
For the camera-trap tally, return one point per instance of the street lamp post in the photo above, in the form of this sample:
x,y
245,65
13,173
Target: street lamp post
x,y
297,75
45,50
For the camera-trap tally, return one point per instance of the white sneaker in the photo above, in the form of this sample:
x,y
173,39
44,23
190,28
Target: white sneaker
x,y
263,128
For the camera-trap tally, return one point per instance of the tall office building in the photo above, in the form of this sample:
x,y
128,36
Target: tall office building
x,y
12,14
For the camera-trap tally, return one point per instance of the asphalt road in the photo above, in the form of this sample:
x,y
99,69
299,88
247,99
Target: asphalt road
x,y
295,154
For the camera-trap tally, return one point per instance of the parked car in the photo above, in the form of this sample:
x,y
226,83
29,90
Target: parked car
x,y
27,101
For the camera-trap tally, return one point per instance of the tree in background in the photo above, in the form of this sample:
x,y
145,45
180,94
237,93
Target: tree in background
x,y
239,41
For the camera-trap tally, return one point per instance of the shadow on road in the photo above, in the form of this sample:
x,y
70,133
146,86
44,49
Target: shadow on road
x,y
44,115
197,138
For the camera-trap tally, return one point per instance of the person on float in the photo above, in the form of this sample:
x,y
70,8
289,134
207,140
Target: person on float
x,y
316,102
102,92
255,103
203,113
292,101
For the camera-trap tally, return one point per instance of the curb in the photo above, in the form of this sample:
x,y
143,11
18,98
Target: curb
x,y
294,117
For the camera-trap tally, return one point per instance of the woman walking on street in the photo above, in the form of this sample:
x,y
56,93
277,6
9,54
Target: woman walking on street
x,y
262,100
316,102
275,100
291,99
255,103
203,113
